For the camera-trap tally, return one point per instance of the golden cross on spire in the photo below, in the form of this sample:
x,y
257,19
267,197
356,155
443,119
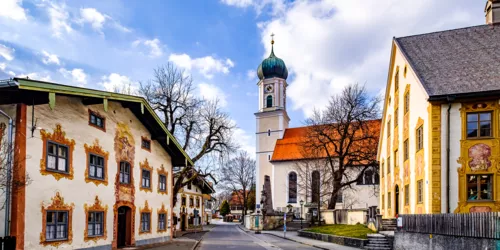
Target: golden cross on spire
x,y
272,38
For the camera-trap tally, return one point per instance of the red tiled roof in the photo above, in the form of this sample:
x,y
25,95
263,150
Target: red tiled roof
x,y
290,147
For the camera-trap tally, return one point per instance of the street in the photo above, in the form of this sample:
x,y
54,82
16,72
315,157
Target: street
x,y
229,236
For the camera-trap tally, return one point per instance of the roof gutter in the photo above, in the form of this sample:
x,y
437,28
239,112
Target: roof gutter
x,y
450,100
8,83
459,96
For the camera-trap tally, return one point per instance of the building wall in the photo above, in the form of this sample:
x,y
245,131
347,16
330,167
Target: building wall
x,y
359,197
188,210
72,116
4,150
404,173
267,119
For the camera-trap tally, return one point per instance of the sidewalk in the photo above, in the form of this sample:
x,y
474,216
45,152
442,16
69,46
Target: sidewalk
x,y
293,236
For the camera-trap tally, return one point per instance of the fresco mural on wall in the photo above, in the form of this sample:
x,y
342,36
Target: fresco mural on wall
x,y
479,155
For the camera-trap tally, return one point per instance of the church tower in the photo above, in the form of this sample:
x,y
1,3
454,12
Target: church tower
x,y
272,118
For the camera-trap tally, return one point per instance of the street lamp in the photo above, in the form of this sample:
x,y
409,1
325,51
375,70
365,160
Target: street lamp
x,y
301,205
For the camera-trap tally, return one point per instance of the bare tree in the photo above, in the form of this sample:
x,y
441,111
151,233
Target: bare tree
x,y
341,138
238,176
202,128
7,177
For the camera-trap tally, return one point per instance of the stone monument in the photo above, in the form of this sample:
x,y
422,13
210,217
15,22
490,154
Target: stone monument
x,y
267,199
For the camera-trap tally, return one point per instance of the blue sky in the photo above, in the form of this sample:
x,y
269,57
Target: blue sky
x,y
325,43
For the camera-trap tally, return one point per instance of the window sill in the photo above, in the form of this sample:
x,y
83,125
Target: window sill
x,y
480,201
96,179
56,171
57,240
480,138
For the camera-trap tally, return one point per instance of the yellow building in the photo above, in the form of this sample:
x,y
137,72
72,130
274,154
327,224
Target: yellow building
x,y
440,143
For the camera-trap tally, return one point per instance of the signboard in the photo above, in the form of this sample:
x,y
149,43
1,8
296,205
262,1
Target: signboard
x,y
257,206
400,222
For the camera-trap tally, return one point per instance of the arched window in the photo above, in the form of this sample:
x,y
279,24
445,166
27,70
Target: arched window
x,y
269,101
315,184
368,177
292,187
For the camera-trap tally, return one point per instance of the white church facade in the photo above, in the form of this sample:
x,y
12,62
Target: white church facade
x,y
278,152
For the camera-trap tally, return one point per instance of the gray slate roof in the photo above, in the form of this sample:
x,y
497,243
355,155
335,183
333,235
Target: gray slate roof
x,y
455,61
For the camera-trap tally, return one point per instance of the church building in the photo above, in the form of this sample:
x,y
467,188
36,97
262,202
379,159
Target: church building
x,y
439,145
279,155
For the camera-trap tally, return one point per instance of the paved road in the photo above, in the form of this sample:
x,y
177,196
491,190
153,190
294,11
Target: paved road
x,y
229,236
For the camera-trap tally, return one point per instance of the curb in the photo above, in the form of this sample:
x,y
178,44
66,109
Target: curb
x,y
196,244
296,241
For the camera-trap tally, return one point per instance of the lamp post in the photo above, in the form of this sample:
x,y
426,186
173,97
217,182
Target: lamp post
x,y
301,205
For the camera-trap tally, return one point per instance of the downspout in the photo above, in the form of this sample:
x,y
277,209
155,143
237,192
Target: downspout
x,y
449,99
9,170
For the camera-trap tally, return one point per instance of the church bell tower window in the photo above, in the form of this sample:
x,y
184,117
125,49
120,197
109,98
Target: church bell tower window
x,y
269,101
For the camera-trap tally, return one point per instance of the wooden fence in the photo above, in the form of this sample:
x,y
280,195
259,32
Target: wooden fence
x,y
479,225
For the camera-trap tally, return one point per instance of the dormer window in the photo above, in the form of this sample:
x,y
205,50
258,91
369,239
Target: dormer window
x,y
269,101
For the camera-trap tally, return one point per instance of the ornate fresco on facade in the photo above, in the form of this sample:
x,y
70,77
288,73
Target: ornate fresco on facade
x,y
124,146
115,221
419,168
58,136
146,209
162,171
145,165
96,207
57,204
162,210
97,150
479,155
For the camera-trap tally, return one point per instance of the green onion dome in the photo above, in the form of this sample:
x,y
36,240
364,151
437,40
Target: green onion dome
x,y
272,67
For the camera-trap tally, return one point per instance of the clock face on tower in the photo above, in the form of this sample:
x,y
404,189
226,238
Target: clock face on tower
x,y
269,88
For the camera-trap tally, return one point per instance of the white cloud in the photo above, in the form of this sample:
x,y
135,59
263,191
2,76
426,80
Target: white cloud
x,y
50,58
3,66
11,73
153,46
251,74
34,76
207,65
118,83
59,19
212,93
277,6
245,140
238,3
6,52
12,9
327,44
252,94
98,20
77,76
94,17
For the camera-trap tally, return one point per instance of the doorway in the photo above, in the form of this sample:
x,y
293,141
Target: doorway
x,y
124,226
396,205
183,222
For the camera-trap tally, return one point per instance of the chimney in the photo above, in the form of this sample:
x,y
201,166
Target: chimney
x,y
492,11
